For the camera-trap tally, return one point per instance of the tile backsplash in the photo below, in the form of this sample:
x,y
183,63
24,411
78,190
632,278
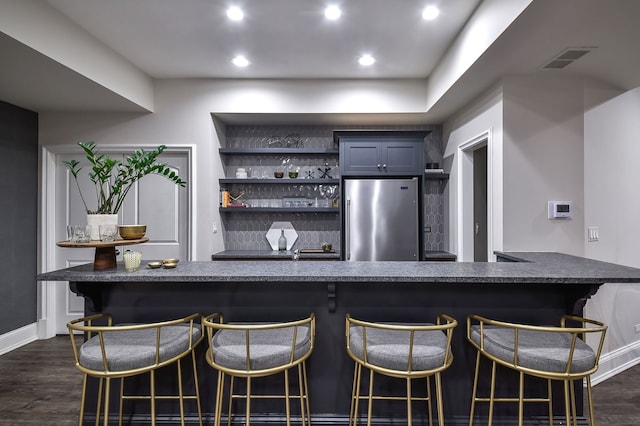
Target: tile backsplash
x,y
247,230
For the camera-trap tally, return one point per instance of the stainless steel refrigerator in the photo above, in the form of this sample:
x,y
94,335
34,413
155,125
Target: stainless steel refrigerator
x,y
381,219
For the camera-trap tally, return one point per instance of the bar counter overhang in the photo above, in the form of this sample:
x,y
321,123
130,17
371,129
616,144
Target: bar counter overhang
x,y
528,287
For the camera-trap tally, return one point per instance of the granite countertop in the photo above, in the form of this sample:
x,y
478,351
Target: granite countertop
x,y
270,255
533,267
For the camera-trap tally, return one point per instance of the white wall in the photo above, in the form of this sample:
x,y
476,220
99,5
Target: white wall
x,y
485,115
612,203
183,117
41,27
543,161
565,138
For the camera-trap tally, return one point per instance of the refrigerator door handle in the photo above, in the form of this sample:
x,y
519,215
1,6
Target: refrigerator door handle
x,y
347,227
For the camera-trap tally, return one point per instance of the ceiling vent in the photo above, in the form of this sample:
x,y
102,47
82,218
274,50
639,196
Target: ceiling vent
x,y
566,57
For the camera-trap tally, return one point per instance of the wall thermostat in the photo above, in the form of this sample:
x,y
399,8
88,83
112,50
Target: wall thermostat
x,y
560,210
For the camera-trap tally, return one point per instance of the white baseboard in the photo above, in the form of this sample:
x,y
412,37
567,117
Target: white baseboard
x,y
616,362
18,337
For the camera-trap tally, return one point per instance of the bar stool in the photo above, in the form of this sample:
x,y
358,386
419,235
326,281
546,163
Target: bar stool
x,y
122,351
407,351
258,350
552,353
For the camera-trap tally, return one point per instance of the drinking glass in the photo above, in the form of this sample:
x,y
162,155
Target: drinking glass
x,y
108,233
81,233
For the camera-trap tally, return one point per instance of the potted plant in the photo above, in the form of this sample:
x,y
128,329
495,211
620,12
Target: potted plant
x,y
113,179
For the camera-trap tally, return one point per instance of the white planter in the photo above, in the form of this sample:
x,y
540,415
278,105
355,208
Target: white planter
x,y
95,220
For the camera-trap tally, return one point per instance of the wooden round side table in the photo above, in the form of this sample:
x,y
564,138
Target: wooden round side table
x,y
105,256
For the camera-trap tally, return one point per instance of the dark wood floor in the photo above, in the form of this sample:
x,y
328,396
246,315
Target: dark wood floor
x,y
40,386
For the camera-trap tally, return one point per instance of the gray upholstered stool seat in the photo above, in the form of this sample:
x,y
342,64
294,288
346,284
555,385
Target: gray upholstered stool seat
x,y
127,350
269,348
132,349
537,350
390,348
552,353
407,351
253,350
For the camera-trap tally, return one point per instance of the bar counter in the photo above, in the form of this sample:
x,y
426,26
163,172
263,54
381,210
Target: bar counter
x,y
528,287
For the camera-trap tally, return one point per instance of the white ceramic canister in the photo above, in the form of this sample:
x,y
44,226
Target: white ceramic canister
x,y
241,173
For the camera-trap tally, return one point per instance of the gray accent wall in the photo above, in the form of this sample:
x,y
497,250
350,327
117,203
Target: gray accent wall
x,y
247,231
18,216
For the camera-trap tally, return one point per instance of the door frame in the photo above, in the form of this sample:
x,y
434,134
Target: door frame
x,y
465,196
47,308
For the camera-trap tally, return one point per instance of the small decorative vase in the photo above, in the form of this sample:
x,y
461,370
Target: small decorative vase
x,y
282,241
95,220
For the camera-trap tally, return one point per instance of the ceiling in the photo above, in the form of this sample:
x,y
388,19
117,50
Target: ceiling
x,y
281,38
290,39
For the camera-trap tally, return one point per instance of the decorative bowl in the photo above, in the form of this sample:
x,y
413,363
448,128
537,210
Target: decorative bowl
x,y
326,247
293,175
169,265
278,175
132,232
155,265
173,260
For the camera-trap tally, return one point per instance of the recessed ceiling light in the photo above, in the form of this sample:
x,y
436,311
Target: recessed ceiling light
x,y
235,13
240,61
366,60
332,12
430,12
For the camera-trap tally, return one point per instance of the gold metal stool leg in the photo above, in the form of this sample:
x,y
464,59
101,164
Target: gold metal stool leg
x,y
409,421
106,400
121,401
369,408
219,398
550,397
99,402
197,387
521,399
153,396
492,393
287,404
592,416
180,392
475,390
439,398
247,420
355,392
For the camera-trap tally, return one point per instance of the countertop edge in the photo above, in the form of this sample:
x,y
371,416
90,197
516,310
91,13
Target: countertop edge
x,y
536,268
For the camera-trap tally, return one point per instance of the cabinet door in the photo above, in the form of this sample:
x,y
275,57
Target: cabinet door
x,y
360,158
401,158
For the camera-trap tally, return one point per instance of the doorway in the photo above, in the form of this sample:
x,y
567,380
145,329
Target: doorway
x,y
474,195
156,202
480,205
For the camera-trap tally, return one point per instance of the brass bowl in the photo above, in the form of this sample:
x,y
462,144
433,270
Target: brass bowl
x,y
165,261
132,232
155,265
170,265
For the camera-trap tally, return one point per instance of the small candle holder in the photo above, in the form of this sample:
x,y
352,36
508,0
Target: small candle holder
x,y
132,260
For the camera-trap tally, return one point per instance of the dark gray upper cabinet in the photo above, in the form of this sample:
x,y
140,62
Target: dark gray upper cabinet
x,y
381,153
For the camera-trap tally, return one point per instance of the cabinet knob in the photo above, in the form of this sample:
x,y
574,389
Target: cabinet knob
x,y
378,165
384,166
